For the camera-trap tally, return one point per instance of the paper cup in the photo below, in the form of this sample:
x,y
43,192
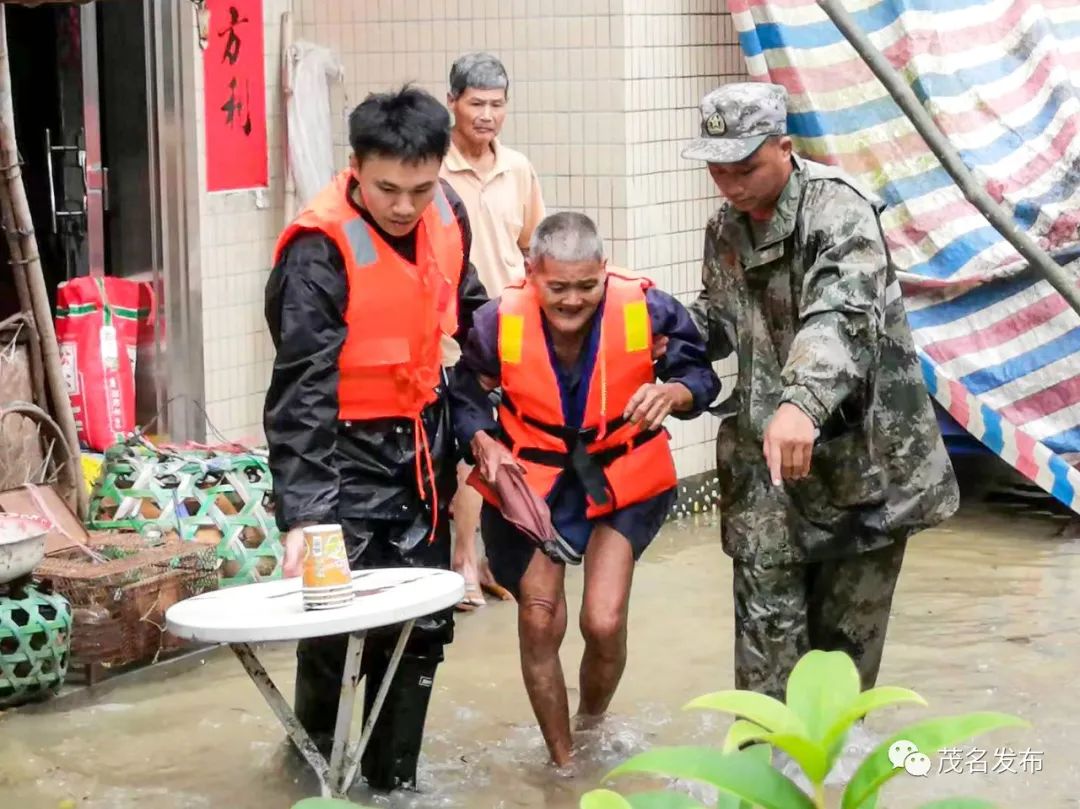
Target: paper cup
x,y
320,599
328,598
326,564
346,592
325,605
338,599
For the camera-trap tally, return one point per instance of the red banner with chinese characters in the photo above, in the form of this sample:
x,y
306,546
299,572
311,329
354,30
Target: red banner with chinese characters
x,y
235,96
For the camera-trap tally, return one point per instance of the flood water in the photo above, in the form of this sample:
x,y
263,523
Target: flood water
x,y
986,617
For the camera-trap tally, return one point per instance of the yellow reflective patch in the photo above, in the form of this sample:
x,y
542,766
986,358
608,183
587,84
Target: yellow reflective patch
x,y
636,318
511,336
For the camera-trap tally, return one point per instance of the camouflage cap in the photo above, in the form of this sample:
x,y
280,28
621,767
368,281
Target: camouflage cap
x,y
736,119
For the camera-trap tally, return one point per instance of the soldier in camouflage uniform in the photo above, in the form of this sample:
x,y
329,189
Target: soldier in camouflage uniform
x,y
829,456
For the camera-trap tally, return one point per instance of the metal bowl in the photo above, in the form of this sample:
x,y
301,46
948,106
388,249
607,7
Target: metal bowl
x,y
22,545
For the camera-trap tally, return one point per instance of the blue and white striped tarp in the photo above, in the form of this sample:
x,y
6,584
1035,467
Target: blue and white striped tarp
x,y
1000,348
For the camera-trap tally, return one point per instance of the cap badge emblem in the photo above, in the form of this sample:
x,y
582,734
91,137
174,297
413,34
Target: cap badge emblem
x,y
715,125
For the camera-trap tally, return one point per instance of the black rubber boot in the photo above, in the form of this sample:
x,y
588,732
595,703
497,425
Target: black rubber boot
x,y
392,756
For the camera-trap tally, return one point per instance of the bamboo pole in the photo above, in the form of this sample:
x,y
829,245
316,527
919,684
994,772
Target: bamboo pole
x,y
19,230
950,159
22,292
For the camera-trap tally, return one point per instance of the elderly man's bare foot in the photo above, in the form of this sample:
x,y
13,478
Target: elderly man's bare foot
x,y
563,762
586,722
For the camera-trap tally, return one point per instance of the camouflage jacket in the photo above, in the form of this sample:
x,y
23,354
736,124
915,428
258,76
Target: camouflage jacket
x,y
811,306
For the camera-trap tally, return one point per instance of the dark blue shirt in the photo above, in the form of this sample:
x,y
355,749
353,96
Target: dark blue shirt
x,y
685,361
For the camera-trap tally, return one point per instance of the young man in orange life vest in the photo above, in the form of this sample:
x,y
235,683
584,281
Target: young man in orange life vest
x,y
367,282
581,412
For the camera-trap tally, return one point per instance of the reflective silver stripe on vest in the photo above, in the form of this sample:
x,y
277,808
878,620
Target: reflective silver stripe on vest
x,y
443,206
363,248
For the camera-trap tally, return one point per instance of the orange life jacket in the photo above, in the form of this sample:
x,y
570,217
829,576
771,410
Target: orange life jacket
x,y
391,361
618,463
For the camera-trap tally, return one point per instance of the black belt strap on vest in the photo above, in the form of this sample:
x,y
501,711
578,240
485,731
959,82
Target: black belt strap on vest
x,y
588,466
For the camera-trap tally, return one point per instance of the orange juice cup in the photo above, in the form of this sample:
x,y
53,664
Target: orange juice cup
x,y
326,564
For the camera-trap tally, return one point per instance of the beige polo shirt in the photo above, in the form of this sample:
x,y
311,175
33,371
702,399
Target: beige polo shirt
x,y
504,208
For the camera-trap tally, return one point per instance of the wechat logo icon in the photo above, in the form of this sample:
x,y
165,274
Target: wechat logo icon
x,y
906,755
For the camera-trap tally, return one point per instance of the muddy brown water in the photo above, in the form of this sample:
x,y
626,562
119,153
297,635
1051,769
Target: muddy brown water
x,y
986,617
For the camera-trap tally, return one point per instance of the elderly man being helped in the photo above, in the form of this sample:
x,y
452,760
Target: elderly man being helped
x,y
571,349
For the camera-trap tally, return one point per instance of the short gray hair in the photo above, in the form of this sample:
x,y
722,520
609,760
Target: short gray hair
x,y
566,236
477,71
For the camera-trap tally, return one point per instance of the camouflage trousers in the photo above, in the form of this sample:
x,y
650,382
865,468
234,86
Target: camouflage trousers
x,y
784,611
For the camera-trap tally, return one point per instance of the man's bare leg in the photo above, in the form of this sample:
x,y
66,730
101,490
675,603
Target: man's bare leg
x,y
541,628
609,571
467,504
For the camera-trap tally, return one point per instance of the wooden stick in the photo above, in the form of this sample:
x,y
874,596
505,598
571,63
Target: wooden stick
x,y
19,229
22,291
37,372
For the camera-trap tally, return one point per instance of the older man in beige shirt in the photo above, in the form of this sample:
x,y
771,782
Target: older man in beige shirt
x,y
502,196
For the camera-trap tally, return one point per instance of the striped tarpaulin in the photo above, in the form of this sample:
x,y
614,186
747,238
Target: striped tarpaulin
x,y
1000,348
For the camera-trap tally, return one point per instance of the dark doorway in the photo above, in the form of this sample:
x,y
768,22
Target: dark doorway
x,y
84,126
125,139
44,63
79,76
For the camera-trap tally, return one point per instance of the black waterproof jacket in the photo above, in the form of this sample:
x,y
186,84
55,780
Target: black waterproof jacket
x,y
361,474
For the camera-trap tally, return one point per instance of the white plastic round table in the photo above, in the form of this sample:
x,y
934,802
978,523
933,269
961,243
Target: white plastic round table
x,y
274,611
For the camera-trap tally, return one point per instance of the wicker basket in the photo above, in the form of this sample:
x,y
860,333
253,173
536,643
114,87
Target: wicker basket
x,y
119,592
211,497
34,644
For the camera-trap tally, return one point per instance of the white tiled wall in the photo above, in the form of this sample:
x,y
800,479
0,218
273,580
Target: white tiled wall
x,y
238,231
602,93
565,62
676,51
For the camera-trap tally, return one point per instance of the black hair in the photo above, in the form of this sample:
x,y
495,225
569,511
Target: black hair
x,y
408,124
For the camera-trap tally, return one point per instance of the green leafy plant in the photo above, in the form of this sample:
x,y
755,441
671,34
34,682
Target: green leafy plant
x,y
327,803
824,701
